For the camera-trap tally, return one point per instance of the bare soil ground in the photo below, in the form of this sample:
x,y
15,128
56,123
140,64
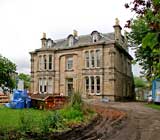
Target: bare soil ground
x,y
142,123
104,125
116,121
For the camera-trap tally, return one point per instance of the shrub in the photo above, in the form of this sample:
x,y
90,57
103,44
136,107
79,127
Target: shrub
x,y
70,113
56,120
76,100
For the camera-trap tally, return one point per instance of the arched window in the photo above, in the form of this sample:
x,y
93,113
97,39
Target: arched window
x,y
87,59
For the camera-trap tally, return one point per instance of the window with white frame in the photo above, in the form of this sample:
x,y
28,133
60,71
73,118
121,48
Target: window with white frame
x,y
98,58
87,59
92,59
93,85
69,63
50,62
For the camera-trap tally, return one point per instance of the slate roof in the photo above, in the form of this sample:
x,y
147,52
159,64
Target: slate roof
x,y
82,40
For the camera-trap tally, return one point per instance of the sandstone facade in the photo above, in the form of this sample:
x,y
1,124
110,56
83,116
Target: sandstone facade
x,y
98,65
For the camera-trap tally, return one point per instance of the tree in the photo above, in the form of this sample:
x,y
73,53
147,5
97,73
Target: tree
x,y
7,69
139,82
145,35
26,78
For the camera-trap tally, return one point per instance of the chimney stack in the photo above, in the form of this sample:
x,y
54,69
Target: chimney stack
x,y
44,40
75,33
117,30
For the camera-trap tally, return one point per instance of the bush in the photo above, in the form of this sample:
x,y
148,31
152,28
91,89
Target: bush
x,y
70,113
76,100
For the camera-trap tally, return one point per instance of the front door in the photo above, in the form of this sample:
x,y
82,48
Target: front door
x,y
69,86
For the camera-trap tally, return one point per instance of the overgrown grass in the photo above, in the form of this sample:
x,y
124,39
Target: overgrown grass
x,y
154,106
43,121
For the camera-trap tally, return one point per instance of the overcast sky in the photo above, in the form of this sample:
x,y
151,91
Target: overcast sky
x,y
23,21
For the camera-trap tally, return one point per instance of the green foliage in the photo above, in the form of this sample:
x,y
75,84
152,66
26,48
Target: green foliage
x,y
145,35
139,82
26,78
76,100
26,121
55,120
154,106
70,114
41,121
7,68
151,39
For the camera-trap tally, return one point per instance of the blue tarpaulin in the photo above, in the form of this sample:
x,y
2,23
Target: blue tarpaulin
x,y
20,100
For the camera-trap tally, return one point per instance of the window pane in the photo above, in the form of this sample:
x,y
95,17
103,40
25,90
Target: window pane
x,y
98,57
45,85
98,84
39,62
40,85
50,62
87,59
50,86
45,63
69,63
92,84
87,84
92,59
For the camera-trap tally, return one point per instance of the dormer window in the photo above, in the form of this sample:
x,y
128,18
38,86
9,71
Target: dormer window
x,y
49,43
70,41
95,36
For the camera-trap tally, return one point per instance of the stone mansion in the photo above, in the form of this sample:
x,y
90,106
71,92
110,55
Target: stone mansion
x,y
98,65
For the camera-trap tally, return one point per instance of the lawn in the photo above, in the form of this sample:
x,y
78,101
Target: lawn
x,y
24,122
41,120
12,119
154,106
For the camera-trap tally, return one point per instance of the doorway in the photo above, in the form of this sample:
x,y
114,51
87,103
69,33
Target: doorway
x,y
69,87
